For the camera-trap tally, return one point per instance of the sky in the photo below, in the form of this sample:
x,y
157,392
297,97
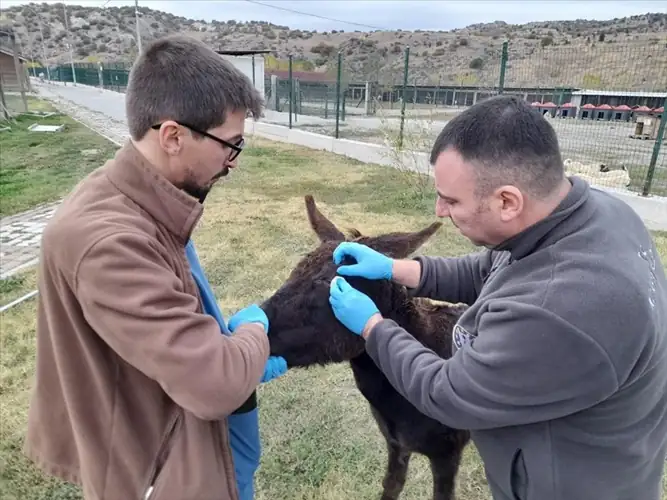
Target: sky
x,y
381,14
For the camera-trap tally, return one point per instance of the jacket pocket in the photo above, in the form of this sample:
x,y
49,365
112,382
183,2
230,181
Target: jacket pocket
x,y
519,476
161,458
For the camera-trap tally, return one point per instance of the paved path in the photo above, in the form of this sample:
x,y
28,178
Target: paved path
x,y
20,237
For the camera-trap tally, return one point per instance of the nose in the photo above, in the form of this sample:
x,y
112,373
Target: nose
x,y
441,208
233,163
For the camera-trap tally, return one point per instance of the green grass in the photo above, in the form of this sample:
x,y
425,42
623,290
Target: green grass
x,y
40,167
17,285
319,439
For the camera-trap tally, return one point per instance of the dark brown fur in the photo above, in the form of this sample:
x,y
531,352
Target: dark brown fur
x,y
305,332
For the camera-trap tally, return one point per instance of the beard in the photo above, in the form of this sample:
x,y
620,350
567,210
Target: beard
x,y
200,192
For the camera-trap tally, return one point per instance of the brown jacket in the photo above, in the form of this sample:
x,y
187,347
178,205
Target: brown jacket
x,y
133,382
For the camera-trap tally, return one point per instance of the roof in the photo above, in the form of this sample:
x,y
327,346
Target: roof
x,y
604,106
11,54
619,93
622,107
249,52
568,105
304,76
538,104
643,109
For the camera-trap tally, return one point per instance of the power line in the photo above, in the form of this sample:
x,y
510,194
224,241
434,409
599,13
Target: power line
x,y
317,16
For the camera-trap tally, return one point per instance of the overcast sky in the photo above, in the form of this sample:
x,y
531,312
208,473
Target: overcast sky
x,y
407,15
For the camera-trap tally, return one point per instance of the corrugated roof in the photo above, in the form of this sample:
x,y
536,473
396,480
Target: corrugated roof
x,y
619,93
304,76
249,52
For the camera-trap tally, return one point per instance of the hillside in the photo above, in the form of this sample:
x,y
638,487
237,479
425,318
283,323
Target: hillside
x,y
627,53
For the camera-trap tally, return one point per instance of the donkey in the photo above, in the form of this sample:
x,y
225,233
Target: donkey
x,y
305,332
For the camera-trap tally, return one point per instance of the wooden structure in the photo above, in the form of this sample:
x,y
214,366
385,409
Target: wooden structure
x,y
646,127
10,81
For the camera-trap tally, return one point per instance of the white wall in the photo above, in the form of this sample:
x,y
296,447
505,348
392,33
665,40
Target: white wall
x,y
244,63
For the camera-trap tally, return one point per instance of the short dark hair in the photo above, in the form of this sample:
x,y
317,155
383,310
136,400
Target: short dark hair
x,y
508,141
179,78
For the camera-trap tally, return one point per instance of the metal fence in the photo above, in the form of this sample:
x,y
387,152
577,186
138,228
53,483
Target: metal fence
x,y
604,99
112,76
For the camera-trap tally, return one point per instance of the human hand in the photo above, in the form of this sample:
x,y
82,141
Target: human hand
x,y
350,306
251,314
370,264
275,367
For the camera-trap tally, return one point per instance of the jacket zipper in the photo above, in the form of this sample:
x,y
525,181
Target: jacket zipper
x,y
158,464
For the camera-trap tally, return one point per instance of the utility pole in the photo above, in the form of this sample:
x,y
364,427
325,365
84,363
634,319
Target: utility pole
x,y
136,17
69,37
41,36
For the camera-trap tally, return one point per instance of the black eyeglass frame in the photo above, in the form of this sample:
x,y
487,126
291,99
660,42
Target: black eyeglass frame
x,y
236,148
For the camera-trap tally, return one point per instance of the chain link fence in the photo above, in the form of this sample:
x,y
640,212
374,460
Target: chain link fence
x,y
604,99
606,103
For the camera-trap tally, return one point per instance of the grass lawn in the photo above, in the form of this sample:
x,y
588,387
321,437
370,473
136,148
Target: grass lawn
x,y
319,439
40,167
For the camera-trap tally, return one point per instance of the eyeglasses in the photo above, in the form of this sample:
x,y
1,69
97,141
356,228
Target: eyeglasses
x,y
236,148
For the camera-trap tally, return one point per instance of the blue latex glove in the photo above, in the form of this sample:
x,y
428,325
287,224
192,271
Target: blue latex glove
x,y
370,264
350,306
251,314
275,367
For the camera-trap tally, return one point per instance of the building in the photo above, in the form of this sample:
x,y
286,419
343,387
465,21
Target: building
x,y
546,108
622,112
10,82
567,110
250,62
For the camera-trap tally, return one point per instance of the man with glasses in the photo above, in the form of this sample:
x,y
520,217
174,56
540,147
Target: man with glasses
x,y
142,391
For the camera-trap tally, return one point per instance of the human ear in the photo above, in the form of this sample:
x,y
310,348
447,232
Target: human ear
x,y
170,136
510,202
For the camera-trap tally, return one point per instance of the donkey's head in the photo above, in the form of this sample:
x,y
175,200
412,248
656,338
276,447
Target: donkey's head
x,y
302,326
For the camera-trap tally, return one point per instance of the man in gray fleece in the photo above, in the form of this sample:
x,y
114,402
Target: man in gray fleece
x,y
560,363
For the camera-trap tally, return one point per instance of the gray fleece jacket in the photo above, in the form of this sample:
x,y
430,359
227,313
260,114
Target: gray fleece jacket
x,y
560,363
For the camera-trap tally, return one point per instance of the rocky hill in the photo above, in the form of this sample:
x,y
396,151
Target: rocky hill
x,y
627,53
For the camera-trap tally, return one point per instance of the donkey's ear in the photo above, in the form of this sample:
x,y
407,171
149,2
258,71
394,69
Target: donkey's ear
x,y
322,226
401,245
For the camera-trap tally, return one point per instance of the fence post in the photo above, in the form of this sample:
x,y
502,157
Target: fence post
x,y
253,70
5,110
338,76
291,91
503,66
100,75
656,151
295,93
405,86
19,73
